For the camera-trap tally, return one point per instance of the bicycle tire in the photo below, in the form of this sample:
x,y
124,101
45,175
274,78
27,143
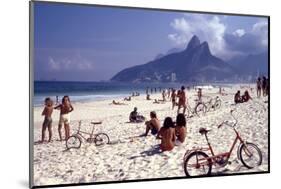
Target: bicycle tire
x,y
73,141
209,164
101,139
243,158
200,108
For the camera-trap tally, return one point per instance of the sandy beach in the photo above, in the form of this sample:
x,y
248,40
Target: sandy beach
x,y
129,157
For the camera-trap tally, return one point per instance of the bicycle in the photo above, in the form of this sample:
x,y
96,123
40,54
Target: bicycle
x,y
199,109
75,140
197,160
213,104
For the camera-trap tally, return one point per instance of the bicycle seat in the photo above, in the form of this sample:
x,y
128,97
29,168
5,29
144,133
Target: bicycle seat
x,y
203,131
96,123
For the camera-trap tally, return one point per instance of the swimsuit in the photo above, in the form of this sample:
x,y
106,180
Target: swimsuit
x,y
47,121
64,118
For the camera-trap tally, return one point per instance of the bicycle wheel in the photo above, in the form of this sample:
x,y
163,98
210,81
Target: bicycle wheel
x,y
217,104
101,139
250,155
73,141
197,164
200,109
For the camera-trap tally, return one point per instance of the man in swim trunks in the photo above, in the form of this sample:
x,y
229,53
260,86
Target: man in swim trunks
x,y
153,124
65,108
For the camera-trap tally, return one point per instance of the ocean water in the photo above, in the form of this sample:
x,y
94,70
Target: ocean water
x,y
90,91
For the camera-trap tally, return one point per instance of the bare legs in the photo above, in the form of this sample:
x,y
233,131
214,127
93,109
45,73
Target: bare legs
x,y
44,127
59,129
67,131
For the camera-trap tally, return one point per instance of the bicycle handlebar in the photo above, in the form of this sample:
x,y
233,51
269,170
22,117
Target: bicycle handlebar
x,y
227,123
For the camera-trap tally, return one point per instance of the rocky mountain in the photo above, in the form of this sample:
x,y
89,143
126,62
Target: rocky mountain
x,y
193,64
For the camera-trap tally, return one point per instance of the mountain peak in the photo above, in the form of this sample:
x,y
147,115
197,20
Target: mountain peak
x,y
194,42
205,47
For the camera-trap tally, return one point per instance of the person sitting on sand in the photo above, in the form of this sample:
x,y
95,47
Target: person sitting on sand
x,y
47,112
167,135
237,97
117,103
135,117
246,97
148,97
180,128
153,124
127,99
182,100
65,108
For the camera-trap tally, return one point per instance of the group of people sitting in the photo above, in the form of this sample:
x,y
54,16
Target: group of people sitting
x,y
170,134
240,99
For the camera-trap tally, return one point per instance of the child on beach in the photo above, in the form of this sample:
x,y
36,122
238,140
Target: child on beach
x,y
153,124
167,135
65,108
47,112
180,128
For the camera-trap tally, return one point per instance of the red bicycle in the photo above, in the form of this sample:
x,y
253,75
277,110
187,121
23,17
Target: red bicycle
x,y
198,163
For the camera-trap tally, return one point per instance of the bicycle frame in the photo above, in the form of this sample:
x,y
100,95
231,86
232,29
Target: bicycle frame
x,y
80,133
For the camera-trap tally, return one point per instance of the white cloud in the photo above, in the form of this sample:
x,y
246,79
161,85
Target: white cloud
x,y
207,28
213,30
239,32
74,63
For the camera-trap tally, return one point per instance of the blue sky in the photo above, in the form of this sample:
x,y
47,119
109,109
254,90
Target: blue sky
x,y
87,43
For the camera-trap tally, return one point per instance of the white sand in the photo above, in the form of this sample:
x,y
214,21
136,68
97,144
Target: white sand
x,y
128,158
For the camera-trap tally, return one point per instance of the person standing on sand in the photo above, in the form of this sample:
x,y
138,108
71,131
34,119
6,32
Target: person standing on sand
x,y
65,108
264,86
259,86
47,112
180,128
173,97
182,100
167,135
153,124
199,94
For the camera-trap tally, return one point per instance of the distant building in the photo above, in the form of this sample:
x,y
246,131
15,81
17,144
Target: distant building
x,y
173,77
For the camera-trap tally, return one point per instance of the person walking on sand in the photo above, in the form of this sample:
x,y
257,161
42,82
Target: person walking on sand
x,y
180,128
259,86
65,108
264,87
182,100
173,97
47,112
167,135
153,124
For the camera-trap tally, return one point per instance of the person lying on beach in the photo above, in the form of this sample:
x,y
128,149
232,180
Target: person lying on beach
x,y
167,135
180,128
47,112
65,108
158,101
127,99
246,97
153,124
237,98
117,103
135,117
148,97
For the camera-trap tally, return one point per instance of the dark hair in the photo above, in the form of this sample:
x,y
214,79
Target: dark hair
x,y
168,122
47,99
153,114
64,97
182,88
238,91
181,121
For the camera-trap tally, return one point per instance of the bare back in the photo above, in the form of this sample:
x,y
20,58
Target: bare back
x,y
180,133
167,138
